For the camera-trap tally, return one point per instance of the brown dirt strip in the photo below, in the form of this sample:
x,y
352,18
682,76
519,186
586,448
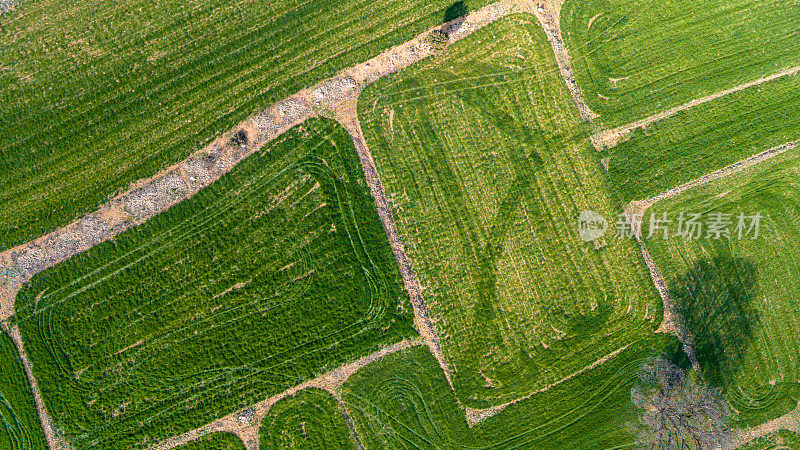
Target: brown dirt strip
x,y
610,138
245,423
54,441
671,322
549,14
422,321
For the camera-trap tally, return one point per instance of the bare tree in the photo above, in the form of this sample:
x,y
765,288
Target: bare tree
x,y
677,413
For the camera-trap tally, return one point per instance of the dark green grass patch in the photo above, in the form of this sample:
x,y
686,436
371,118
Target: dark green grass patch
x,y
738,297
487,167
706,138
312,418
274,274
19,422
635,58
404,402
95,95
215,441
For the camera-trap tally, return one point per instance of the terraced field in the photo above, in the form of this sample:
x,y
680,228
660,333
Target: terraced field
x,y
215,441
705,138
633,59
404,402
20,423
487,167
95,95
310,419
739,296
277,272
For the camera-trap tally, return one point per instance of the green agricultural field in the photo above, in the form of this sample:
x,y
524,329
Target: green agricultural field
x,y
215,441
312,418
487,167
95,95
404,402
705,138
19,422
277,272
739,296
635,58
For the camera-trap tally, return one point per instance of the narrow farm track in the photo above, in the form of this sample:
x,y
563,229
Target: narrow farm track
x,y
245,423
348,117
610,138
54,441
549,14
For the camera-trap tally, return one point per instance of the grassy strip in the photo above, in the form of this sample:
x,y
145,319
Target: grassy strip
x,y
739,296
94,96
487,167
19,422
311,418
702,139
274,274
404,402
633,59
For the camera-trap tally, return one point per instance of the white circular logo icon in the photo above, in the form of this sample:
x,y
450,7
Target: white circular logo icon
x,y
591,225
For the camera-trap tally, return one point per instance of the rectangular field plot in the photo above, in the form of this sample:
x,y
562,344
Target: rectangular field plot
x,y
404,402
487,168
708,137
19,422
95,95
276,273
633,59
739,297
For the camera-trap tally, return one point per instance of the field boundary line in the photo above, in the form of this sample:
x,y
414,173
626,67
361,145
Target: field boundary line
x,y
245,422
610,138
348,118
476,416
549,14
148,197
54,441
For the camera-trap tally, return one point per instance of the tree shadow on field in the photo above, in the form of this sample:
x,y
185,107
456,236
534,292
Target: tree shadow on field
x,y
456,12
715,301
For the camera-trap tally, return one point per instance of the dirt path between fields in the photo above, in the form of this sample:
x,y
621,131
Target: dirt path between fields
x,y
610,138
348,117
635,211
54,441
549,14
245,423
